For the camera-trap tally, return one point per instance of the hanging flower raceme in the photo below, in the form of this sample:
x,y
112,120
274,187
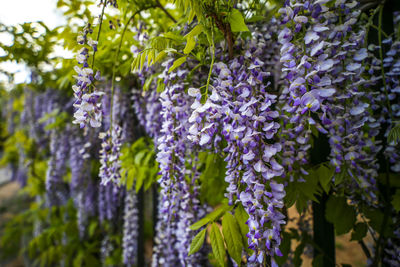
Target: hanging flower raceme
x,y
57,192
82,187
240,110
347,115
171,157
390,94
322,66
148,109
131,229
110,164
88,108
177,200
145,98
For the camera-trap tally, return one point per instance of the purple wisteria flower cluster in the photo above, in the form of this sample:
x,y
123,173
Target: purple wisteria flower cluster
x,y
146,103
109,155
390,93
241,112
57,191
147,107
178,203
322,54
83,188
131,229
87,105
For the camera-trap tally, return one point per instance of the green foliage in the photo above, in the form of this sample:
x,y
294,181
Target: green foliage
x,y
301,192
375,219
212,178
236,21
191,38
139,167
57,119
233,237
197,241
211,217
157,49
394,134
342,215
359,231
234,229
217,244
241,218
177,63
285,248
325,173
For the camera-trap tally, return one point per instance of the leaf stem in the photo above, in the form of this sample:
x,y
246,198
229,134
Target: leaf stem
x,y
98,33
212,60
165,11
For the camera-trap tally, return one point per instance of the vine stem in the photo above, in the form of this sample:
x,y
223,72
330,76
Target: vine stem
x,y
114,69
370,23
165,11
98,33
212,60
116,59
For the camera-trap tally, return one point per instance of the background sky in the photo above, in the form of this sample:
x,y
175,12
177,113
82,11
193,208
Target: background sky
x,y
13,12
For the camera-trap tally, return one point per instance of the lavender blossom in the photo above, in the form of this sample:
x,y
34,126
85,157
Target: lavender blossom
x,y
109,155
131,228
177,202
240,110
57,192
88,107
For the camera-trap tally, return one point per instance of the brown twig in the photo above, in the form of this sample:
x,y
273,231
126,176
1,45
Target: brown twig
x,y
225,28
165,11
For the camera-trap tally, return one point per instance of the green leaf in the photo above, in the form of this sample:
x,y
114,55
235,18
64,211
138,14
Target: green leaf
x,y
233,237
396,200
285,248
212,178
177,63
147,84
307,191
200,223
359,231
190,45
197,242
340,214
297,261
214,215
160,56
139,156
130,177
394,134
340,177
195,31
142,59
255,19
236,21
92,228
190,38
242,217
325,175
141,176
217,244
